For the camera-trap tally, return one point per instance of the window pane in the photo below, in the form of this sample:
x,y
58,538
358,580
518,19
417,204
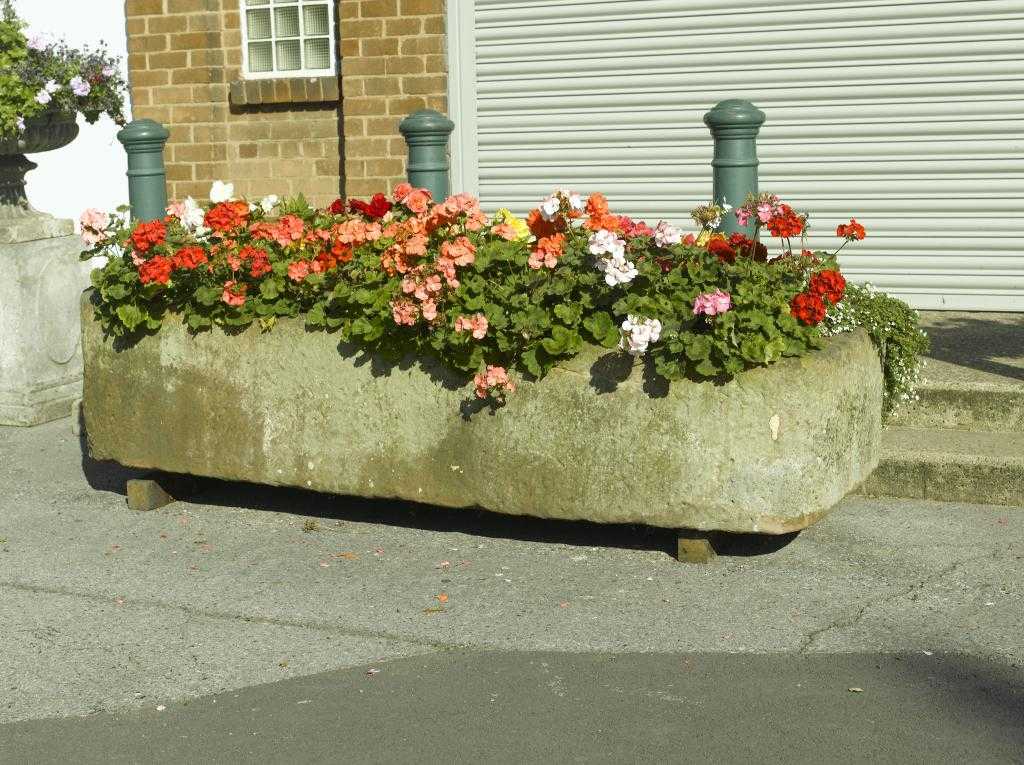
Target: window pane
x,y
288,55
286,22
318,53
261,57
257,2
258,24
315,19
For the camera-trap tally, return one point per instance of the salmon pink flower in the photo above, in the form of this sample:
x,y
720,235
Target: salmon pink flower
x,y
298,270
404,312
234,293
475,324
493,380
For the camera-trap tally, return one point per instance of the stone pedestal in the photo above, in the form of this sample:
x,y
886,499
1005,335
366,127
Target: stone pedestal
x,y
41,281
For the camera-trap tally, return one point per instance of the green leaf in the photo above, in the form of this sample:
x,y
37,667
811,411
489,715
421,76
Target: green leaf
x,y
568,313
130,315
208,296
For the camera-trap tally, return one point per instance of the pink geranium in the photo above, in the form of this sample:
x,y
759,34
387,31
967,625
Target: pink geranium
x,y
298,270
493,380
475,324
404,312
712,303
234,293
94,224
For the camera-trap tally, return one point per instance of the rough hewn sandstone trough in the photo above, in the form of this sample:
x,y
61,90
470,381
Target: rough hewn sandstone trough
x,y
770,452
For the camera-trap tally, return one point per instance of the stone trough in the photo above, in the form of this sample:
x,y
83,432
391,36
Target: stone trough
x,y
771,452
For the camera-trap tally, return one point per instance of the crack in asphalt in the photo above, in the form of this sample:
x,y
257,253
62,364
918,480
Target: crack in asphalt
x,y
846,623
229,616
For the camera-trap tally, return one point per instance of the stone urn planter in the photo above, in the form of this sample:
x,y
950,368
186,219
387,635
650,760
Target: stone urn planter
x,y
45,133
42,279
770,452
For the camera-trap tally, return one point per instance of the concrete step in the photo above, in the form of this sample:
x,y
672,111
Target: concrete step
x,y
994,407
973,375
950,466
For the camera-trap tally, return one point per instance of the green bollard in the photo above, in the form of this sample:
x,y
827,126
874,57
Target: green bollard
x,y
734,125
427,132
144,141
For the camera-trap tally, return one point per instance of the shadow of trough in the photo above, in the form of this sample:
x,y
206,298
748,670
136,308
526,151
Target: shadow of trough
x,y
977,341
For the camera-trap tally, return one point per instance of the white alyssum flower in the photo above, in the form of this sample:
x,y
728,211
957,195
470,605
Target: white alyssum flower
x,y
268,203
665,234
222,192
638,333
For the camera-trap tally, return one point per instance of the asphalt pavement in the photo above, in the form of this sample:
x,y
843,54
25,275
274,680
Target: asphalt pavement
x,y
145,637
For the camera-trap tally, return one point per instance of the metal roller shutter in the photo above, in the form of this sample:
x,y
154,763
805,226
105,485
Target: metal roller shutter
x,y
907,115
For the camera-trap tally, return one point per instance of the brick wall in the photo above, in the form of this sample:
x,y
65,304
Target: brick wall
x,y
393,63
269,137
182,57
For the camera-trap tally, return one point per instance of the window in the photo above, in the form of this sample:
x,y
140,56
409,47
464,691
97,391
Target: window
x,y
287,38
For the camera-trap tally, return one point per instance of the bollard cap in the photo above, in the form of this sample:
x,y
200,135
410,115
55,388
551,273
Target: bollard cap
x,y
142,131
734,113
426,122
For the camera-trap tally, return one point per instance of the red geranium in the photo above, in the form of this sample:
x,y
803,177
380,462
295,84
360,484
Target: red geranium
x,y
721,250
189,258
747,246
259,261
786,222
337,207
377,207
227,216
808,308
156,269
851,230
148,235
828,284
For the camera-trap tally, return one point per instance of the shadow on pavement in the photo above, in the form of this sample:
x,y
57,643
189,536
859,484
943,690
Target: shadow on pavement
x,y
549,707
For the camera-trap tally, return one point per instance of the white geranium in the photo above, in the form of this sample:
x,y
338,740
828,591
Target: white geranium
x,y
617,270
222,192
51,86
268,203
576,202
665,234
604,242
638,333
549,207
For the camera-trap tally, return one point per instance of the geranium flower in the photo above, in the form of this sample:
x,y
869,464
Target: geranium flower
x,y
638,333
156,269
298,270
94,224
189,258
147,235
189,214
851,231
665,234
475,324
404,312
222,192
234,293
79,86
712,303
547,251
377,207
268,203
43,97
830,285
808,308
493,380
227,216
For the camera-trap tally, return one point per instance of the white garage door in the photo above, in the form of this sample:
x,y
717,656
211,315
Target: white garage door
x,y
907,115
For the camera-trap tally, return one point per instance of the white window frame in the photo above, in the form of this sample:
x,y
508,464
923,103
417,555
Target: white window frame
x,y
276,74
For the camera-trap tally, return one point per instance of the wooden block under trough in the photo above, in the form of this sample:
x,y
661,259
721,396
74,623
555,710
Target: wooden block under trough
x,y
158,489
695,547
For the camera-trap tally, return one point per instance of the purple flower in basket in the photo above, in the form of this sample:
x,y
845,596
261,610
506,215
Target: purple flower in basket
x,y
79,86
